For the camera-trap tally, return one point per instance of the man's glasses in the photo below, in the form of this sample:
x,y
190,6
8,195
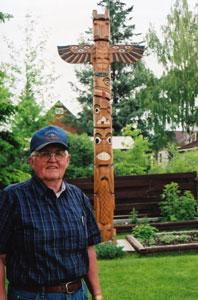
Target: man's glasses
x,y
46,155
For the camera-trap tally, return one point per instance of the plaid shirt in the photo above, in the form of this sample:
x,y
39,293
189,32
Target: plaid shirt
x,y
45,238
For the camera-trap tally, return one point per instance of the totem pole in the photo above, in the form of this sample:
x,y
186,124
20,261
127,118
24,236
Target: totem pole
x,y
101,55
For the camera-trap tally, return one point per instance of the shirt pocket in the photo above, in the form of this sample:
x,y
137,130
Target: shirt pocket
x,y
77,230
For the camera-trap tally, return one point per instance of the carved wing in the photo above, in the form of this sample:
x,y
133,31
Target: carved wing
x,y
127,54
75,54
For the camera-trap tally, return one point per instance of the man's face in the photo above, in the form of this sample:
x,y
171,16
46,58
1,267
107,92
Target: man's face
x,y
50,163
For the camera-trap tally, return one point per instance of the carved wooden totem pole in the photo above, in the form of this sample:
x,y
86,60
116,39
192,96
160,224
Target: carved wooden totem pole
x,y
101,55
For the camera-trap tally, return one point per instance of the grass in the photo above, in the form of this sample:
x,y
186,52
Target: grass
x,y
160,277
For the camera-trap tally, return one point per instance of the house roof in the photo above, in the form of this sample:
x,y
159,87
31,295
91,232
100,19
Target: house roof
x,y
61,109
184,138
189,146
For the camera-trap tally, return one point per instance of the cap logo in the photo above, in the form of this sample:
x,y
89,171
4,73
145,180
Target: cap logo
x,y
52,136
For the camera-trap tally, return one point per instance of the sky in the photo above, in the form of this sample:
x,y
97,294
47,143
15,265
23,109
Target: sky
x,y
65,22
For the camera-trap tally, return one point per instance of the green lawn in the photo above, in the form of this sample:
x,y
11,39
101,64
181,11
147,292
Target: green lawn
x,y
161,277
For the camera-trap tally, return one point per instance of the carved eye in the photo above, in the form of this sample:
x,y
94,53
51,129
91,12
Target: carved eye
x,y
97,109
97,140
109,140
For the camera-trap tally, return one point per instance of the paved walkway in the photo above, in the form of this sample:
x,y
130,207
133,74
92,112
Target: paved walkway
x,y
126,246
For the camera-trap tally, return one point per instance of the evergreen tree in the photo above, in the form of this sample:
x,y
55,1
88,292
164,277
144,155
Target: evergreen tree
x,y
126,79
4,17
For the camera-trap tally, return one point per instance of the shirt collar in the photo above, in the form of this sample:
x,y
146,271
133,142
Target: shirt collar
x,y
43,189
63,187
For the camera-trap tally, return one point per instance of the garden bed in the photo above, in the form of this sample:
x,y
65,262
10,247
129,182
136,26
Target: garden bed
x,y
166,242
190,224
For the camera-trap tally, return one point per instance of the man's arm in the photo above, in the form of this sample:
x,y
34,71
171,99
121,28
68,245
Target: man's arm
x,y
2,277
92,279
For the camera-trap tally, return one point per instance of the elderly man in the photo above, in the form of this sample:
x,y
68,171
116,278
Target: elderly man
x,y
47,229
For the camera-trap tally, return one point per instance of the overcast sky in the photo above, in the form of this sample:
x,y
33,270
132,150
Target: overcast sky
x,y
65,21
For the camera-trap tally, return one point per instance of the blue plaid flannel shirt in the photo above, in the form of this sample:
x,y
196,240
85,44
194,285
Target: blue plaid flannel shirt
x,y
45,239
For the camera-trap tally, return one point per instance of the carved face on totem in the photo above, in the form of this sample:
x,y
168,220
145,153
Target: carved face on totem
x,y
103,146
102,113
102,83
101,29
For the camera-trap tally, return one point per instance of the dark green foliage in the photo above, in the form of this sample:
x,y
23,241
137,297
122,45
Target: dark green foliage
x,y
109,250
8,141
6,107
17,123
176,205
135,160
81,149
4,16
133,216
120,19
145,233
125,78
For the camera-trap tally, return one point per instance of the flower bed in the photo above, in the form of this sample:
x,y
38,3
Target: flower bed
x,y
167,241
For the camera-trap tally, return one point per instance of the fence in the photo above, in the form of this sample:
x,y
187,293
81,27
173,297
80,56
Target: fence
x,y
142,192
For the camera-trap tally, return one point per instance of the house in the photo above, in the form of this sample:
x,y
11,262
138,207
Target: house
x,y
189,147
122,142
184,141
63,117
184,138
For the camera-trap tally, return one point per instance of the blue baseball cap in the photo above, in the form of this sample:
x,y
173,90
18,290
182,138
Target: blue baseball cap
x,y
48,135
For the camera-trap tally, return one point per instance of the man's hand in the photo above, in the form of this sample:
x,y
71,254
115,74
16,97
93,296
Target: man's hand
x,y
92,278
97,297
2,278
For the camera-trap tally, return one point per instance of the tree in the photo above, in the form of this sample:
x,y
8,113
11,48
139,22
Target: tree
x,y
177,52
27,115
4,16
8,142
125,79
179,163
81,149
137,159
30,115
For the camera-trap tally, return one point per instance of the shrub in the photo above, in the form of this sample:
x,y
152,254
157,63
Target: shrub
x,y
108,250
173,238
133,216
182,238
188,206
175,205
145,233
167,239
81,164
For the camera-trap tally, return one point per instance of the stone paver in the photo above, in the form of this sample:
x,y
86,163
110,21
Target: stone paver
x,y
126,246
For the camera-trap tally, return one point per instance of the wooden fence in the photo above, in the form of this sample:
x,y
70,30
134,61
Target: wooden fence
x,y
142,192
